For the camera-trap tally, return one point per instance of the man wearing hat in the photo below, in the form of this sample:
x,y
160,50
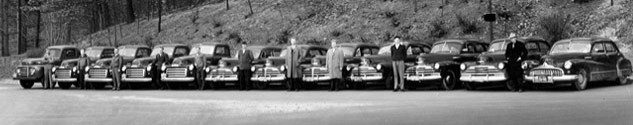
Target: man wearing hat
x,y
515,53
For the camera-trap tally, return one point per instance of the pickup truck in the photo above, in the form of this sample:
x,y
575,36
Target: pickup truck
x,y
99,73
226,70
183,71
95,54
273,70
31,70
140,71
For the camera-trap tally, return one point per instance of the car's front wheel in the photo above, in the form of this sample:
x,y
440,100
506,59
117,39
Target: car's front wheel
x,y
26,84
260,85
581,83
449,80
65,85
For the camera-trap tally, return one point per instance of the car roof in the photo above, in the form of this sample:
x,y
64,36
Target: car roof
x,y
357,45
209,43
521,39
61,46
590,39
459,40
264,47
100,47
170,45
133,46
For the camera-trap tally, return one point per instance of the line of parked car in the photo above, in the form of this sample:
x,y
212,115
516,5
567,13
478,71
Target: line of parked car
x,y
448,64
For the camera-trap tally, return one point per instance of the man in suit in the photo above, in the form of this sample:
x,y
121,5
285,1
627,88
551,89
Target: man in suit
x,y
293,72
81,67
200,63
159,61
115,67
48,82
245,57
398,54
334,64
515,53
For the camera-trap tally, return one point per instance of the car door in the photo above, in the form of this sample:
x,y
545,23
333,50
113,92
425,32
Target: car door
x,y
612,56
599,58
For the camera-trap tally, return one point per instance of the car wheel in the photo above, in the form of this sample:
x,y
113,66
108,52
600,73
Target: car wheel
x,y
449,81
470,86
581,83
261,85
510,85
389,82
26,84
76,84
98,85
65,85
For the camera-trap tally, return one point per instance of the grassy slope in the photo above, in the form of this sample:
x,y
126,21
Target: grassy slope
x,y
373,21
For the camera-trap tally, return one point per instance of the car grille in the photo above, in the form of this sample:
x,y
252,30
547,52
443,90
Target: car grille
x,y
176,72
98,73
548,72
266,71
482,69
315,71
24,71
135,73
364,69
222,71
62,73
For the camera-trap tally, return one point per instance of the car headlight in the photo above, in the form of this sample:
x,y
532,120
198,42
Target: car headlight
x,y
436,66
253,69
207,69
462,66
501,65
378,67
18,71
54,69
567,65
524,65
348,68
148,68
190,67
87,68
163,68
123,68
282,68
75,69
235,69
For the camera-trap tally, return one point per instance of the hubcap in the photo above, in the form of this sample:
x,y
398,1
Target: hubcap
x,y
582,82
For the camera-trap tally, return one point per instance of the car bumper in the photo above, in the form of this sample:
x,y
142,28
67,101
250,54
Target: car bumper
x,y
366,78
483,77
229,78
316,78
133,80
88,79
554,79
279,78
424,77
164,78
25,77
64,79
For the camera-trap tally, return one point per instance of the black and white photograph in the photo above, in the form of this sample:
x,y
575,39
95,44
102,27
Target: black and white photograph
x,y
316,62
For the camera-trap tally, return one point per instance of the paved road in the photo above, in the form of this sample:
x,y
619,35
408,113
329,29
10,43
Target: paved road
x,y
601,104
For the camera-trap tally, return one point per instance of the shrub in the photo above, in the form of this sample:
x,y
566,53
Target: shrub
x,y
437,29
468,25
554,26
283,37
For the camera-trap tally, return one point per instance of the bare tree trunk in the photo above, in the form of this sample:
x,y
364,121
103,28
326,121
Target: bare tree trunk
x,y
5,29
250,6
38,29
227,5
19,27
131,16
69,31
160,14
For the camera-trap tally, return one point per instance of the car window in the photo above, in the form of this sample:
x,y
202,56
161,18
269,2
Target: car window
x,y
107,53
609,47
597,48
531,47
222,51
180,51
366,51
543,46
480,48
571,47
414,50
470,48
70,53
446,48
142,52
312,53
270,53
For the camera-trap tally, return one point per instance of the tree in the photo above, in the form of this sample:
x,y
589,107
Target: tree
x,y
19,27
160,13
131,16
227,5
250,6
5,28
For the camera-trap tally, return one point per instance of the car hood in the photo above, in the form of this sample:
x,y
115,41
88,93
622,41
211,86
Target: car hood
x,y
29,61
278,60
559,59
230,62
494,57
103,62
434,58
143,61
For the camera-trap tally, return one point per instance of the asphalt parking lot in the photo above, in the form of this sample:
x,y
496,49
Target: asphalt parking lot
x,y
600,104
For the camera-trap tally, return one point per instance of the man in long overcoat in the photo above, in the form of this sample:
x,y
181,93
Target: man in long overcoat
x,y
334,64
293,73
515,53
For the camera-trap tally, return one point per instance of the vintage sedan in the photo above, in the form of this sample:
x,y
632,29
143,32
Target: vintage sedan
x,y
99,73
93,53
182,70
490,68
579,61
226,71
273,71
140,71
442,65
31,70
363,65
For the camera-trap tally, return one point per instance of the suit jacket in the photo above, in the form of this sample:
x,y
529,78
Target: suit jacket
x,y
200,61
117,63
334,62
400,53
245,59
160,59
82,63
293,57
513,52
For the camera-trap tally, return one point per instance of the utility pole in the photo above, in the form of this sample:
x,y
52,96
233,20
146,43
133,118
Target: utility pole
x,y
491,23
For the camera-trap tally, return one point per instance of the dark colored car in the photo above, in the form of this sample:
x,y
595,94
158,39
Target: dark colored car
x,y
273,72
579,61
31,70
182,69
99,73
226,70
140,71
95,54
442,65
490,68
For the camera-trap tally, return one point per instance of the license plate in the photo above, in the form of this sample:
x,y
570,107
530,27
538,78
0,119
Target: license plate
x,y
263,79
543,79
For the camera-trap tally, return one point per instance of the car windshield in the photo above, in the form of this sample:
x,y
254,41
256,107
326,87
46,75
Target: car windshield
x,y
53,52
127,52
571,47
265,53
93,52
446,48
167,50
205,50
347,50
498,47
